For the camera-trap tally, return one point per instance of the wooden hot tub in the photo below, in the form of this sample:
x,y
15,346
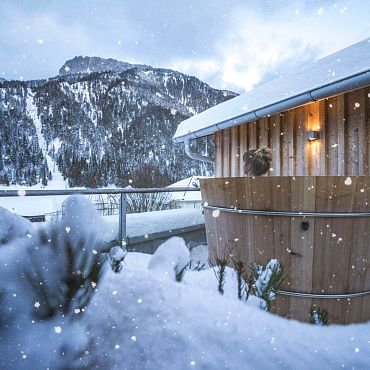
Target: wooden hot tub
x,y
317,226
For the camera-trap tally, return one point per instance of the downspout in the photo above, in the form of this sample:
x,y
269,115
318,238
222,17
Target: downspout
x,y
195,156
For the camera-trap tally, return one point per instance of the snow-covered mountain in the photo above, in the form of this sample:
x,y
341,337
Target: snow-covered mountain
x,y
102,126
95,64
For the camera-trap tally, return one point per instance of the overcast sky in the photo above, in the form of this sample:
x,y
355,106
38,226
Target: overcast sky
x,y
232,44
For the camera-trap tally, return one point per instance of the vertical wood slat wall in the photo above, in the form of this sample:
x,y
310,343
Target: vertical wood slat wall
x,y
343,147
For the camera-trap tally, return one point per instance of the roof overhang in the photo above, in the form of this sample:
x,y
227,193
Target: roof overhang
x,y
351,83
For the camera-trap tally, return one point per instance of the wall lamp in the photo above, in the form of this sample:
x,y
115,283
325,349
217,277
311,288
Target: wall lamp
x,y
313,135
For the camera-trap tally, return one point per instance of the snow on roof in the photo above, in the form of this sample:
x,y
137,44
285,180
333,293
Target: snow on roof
x,y
147,223
346,64
190,182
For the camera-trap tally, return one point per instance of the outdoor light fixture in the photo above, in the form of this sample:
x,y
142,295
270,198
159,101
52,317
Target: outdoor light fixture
x,y
313,135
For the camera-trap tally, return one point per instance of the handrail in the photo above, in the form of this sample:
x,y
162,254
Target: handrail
x,y
46,192
122,235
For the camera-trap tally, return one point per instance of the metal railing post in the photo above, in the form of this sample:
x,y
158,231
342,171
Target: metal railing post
x,y
122,220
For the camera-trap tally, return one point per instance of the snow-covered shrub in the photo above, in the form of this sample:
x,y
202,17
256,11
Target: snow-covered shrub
x,y
220,272
196,266
243,284
116,257
171,258
12,226
47,279
267,281
318,316
199,258
148,202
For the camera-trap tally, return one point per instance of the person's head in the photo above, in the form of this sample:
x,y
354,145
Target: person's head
x,y
257,161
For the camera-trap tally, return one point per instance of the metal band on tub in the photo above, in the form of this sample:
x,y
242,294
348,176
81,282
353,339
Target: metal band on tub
x,y
287,213
300,214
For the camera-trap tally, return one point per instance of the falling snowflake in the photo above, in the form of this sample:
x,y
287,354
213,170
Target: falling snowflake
x,y
58,329
348,181
68,229
216,213
37,304
133,338
116,346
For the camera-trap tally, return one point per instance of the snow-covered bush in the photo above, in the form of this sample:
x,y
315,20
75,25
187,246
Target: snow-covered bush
x,y
116,257
47,279
199,258
148,202
243,284
267,281
12,226
220,272
318,316
171,258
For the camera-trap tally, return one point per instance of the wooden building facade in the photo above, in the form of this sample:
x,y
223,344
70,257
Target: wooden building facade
x,y
343,148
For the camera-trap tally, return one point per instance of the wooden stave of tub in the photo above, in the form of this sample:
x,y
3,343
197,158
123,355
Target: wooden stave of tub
x,y
331,257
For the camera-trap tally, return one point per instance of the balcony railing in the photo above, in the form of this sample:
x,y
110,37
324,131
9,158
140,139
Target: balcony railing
x,y
123,192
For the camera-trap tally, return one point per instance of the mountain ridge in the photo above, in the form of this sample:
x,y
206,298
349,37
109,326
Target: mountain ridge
x,y
106,127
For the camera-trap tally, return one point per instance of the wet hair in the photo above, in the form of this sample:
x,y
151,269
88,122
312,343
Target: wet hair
x,y
257,161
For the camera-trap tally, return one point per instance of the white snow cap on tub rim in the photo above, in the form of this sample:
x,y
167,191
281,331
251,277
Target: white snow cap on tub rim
x,y
342,71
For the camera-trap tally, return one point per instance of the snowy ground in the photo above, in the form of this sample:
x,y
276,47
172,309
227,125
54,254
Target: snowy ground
x,y
149,321
141,317
147,223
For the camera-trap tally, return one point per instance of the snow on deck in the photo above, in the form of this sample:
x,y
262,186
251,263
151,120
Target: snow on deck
x,y
148,321
147,223
333,68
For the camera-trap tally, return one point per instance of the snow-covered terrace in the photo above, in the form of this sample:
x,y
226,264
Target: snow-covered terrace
x,y
342,71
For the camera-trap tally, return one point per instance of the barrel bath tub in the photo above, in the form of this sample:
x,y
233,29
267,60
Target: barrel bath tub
x,y
317,226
